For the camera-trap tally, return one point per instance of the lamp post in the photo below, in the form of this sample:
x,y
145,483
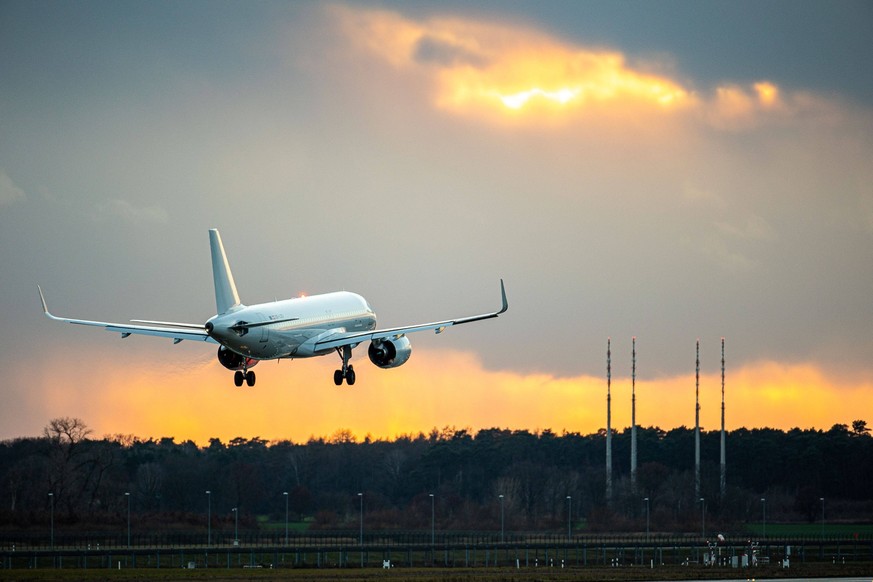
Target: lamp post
x,y
703,518
647,518
432,521
361,538
569,515
501,518
285,494
764,517
52,503
208,518
127,494
235,511
822,517
361,500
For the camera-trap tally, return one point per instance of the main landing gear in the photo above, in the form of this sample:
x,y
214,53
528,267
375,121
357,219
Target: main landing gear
x,y
347,372
248,377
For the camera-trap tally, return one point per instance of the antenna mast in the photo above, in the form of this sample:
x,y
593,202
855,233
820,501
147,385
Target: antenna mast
x,y
608,420
634,415
697,422
723,481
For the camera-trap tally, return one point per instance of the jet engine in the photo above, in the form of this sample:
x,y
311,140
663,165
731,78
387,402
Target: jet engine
x,y
233,361
390,353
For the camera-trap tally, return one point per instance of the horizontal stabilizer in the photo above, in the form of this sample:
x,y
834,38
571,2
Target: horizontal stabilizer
x,y
170,323
241,325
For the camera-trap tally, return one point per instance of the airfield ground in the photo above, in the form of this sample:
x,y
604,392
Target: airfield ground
x,y
584,574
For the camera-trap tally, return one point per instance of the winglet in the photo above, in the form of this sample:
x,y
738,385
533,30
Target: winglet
x,y
503,296
504,306
42,299
226,296
45,307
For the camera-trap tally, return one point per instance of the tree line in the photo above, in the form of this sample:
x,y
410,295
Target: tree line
x,y
461,479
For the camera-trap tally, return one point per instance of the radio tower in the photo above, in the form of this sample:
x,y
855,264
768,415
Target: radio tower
x,y
697,423
634,415
723,473
608,420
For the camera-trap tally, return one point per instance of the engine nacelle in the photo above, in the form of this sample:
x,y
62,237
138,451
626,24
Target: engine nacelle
x,y
390,353
233,361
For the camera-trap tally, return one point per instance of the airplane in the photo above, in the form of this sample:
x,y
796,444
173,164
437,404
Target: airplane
x,y
302,327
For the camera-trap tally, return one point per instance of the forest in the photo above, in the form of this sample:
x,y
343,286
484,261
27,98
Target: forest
x,y
462,480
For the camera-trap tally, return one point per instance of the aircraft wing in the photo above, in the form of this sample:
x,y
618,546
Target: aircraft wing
x,y
175,331
345,339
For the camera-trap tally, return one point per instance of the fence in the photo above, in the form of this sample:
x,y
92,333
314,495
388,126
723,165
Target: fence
x,y
342,549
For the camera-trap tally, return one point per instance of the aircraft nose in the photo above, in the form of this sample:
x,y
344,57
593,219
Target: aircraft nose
x,y
209,327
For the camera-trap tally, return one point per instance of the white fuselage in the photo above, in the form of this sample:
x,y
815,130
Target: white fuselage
x,y
300,323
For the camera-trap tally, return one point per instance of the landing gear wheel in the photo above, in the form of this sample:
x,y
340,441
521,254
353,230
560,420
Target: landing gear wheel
x,y
250,378
238,378
347,372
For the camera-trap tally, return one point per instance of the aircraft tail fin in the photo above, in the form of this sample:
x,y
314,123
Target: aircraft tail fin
x,y
226,296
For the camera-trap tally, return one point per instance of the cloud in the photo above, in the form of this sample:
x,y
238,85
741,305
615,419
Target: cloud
x,y
118,208
486,68
754,228
9,192
506,71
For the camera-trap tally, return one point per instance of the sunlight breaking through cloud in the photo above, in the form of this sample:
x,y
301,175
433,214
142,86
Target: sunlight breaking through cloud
x,y
479,66
508,71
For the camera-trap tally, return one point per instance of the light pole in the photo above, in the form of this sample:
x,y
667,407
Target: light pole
x,y
764,517
569,514
285,494
432,522
361,538
822,517
235,511
52,503
208,518
127,494
501,518
647,518
361,500
703,518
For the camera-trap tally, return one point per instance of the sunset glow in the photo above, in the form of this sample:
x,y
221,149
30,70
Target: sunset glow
x,y
476,66
297,400
506,72
518,100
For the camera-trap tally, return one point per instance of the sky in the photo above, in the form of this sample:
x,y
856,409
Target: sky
x,y
673,172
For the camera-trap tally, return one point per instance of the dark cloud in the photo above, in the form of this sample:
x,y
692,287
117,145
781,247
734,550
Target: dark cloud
x,y
437,51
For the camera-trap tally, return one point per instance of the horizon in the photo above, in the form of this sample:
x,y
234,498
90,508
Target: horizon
x,y
438,434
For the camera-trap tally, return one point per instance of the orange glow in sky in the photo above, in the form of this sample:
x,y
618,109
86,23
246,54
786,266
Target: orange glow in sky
x,y
297,400
476,66
523,77
499,72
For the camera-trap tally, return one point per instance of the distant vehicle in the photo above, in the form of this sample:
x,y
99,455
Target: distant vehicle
x,y
303,327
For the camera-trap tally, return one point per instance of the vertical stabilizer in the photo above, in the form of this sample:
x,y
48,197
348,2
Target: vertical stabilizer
x,y
226,296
